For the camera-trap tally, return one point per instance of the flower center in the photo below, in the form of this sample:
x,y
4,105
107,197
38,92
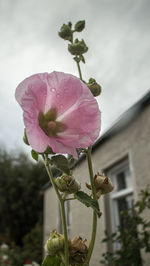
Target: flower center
x,y
48,123
52,125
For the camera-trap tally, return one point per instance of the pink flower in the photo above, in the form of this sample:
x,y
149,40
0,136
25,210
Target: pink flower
x,y
59,111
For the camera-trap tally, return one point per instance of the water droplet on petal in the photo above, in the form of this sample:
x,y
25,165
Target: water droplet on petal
x,y
53,89
57,95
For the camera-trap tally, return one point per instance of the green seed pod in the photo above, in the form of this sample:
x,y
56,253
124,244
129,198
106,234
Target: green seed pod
x,y
77,251
80,25
65,32
102,184
78,47
67,184
55,243
94,87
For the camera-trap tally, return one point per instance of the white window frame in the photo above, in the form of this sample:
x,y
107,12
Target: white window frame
x,y
115,195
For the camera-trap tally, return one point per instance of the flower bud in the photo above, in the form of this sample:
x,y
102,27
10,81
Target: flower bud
x,y
94,87
78,47
55,243
66,32
77,251
80,25
102,184
67,184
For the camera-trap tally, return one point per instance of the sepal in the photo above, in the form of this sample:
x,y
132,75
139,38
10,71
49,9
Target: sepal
x,y
34,155
25,139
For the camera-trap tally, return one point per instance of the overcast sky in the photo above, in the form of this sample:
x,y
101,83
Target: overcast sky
x,y
117,34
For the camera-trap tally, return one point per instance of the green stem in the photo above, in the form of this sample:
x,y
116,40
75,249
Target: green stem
x,y
62,206
94,225
91,172
79,70
78,64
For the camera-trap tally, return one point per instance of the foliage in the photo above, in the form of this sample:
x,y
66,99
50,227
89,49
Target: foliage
x,y
11,256
133,237
33,242
20,198
21,207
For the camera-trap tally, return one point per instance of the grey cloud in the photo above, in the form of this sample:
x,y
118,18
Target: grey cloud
x,y
117,34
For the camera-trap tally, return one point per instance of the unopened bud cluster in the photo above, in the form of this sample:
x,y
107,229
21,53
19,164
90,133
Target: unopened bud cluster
x,y
77,47
102,184
67,183
66,31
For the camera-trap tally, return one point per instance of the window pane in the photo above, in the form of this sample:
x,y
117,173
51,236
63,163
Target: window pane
x,y
124,203
121,181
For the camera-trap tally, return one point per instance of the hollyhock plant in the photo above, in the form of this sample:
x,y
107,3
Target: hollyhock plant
x,y
59,111
62,116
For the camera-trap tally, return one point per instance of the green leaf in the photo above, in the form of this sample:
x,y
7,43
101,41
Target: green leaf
x,y
82,58
35,155
61,163
51,261
88,201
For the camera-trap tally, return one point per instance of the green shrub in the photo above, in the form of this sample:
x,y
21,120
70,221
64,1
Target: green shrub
x,y
132,238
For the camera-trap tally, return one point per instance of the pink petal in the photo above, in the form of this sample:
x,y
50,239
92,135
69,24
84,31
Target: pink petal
x,y
83,124
64,90
36,137
34,83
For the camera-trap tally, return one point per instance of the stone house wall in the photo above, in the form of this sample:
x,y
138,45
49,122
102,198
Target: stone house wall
x,y
132,141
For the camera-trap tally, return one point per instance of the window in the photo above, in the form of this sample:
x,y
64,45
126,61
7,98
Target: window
x,y
121,198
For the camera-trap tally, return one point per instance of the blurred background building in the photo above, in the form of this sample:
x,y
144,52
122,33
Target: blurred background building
x,y
122,153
